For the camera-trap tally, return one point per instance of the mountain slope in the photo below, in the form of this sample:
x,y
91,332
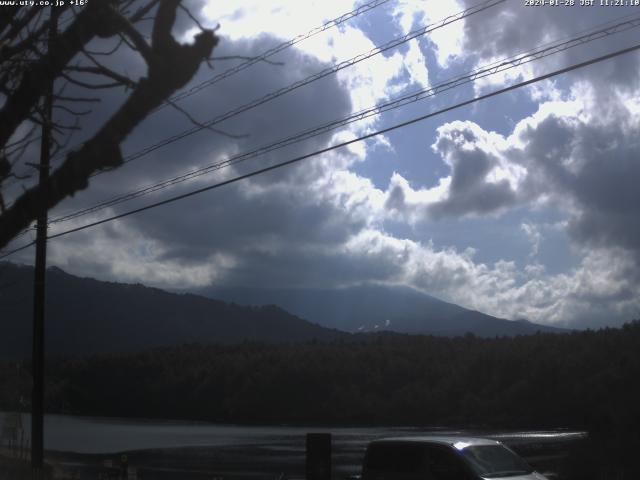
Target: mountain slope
x,y
89,316
376,307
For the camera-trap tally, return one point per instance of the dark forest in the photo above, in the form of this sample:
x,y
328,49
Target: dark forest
x,y
586,380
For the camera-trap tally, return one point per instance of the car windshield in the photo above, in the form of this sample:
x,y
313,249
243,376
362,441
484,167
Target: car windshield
x,y
401,458
493,461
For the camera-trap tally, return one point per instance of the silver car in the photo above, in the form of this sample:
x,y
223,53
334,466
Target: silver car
x,y
443,458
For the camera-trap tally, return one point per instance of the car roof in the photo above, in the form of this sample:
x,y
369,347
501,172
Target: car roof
x,y
458,442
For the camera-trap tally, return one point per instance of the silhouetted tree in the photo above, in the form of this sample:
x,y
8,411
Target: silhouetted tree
x,y
28,62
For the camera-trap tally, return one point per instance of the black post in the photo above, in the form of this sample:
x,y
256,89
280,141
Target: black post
x,y
37,397
318,465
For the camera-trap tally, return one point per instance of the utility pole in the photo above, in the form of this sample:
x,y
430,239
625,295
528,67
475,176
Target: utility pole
x,y
37,396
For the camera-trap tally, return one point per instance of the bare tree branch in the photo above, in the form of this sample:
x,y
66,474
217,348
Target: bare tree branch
x,y
94,86
72,112
100,69
139,15
23,139
96,19
138,42
6,17
18,23
170,66
197,123
192,17
63,98
8,51
105,53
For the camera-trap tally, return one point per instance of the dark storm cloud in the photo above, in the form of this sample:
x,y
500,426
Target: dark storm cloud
x,y
597,169
469,191
571,157
482,198
396,199
310,226
268,217
325,100
478,183
276,221
516,28
305,266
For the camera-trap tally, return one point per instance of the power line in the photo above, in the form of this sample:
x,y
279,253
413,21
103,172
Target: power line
x,y
493,68
337,146
271,52
312,78
268,53
277,49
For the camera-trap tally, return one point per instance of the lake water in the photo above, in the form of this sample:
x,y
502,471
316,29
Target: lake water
x,y
97,435
203,447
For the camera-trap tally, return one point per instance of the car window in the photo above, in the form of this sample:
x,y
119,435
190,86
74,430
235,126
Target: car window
x,y
443,464
495,460
399,458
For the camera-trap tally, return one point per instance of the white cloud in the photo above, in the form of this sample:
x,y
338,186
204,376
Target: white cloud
x,y
515,29
597,285
284,18
409,14
131,256
533,235
402,202
368,82
414,62
483,180
322,224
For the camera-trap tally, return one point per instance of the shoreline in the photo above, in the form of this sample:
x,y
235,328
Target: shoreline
x,y
259,461
87,447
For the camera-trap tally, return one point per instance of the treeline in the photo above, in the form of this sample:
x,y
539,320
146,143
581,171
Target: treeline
x,y
545,380
584,380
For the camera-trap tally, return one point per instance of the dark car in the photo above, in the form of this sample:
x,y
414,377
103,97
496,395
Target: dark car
x,y
443,458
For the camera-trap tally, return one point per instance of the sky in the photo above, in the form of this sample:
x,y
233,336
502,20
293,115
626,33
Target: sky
x,y
522,206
